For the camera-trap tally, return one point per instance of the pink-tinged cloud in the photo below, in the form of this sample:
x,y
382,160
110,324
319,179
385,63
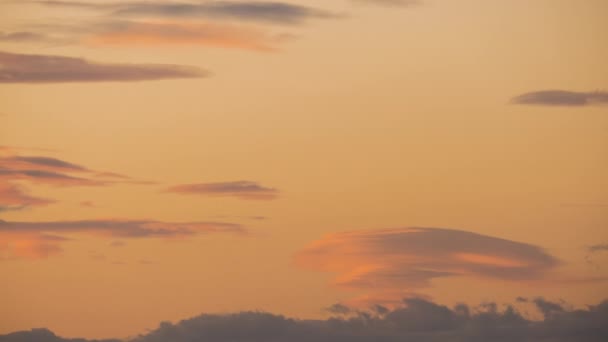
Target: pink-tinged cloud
x,y
44,239
397,260
15,197
240,189
185,34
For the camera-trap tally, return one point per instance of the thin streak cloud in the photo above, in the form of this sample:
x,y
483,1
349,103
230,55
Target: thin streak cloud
x,y
45,238
25,68
240,189
563,98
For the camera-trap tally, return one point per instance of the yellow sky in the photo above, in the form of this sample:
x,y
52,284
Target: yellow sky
x,y
375,118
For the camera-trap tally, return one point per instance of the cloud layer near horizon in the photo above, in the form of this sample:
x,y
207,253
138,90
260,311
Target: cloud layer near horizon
x,y
390,261
43,239
26,68
416,320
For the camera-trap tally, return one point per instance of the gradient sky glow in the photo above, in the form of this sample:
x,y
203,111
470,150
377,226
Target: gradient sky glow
x,y
163,159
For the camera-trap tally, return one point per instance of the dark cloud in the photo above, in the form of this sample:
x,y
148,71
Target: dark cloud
x,y
240,189
416,320
32,239
562,98
22,68
396,260
44,335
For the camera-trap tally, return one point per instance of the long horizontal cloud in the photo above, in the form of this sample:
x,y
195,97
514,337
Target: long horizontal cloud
x,y
44,239
240,189
416,320
23,68
260,11
385,261
184,34
263,11
562,98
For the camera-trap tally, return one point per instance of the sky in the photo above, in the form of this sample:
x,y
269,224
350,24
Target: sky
x,y
160,160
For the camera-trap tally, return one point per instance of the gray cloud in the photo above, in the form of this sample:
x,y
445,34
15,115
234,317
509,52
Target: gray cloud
x,y
416,320
263,11
598,248
259,11
240,189
42,161
562,98
22,36
22,68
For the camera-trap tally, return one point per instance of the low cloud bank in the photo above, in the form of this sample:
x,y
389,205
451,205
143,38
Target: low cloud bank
x,y
417,320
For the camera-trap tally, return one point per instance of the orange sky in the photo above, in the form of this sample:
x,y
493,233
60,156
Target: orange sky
x,y
157,163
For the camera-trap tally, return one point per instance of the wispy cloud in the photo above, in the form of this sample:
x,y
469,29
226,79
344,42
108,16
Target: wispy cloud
x,y
241,189
47,171
274,12
562,98
184,34
22,36
44,239
415,319
390,261
14,197
598,248
23,68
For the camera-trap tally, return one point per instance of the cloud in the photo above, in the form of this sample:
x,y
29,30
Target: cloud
x,y
241,189
53,171
598,248
416,320
22,36
44,239
274,12
47,171
14,197
562,98
397,260
184,34
47,177
22,68
46,163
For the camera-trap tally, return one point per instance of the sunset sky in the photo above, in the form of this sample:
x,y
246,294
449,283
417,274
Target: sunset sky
x,y
163,159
